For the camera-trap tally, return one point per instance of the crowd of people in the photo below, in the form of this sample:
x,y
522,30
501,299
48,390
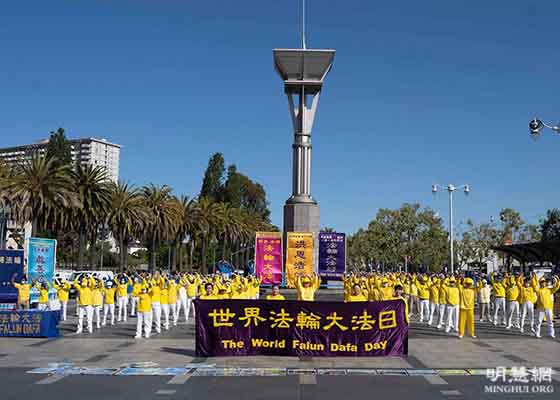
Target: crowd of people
x,y
440,300
448,301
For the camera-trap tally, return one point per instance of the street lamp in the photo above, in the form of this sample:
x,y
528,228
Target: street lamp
x,y
450,189
536,126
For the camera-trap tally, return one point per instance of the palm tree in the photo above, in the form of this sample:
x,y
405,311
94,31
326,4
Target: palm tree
x,y
227,227
127,216
39,190
207,221
164,217
90,184
185,226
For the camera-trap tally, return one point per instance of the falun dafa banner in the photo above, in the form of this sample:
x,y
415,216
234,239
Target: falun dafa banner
x,y
268,257
299,256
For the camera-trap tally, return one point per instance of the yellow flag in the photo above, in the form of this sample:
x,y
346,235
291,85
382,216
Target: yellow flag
x,y
299,256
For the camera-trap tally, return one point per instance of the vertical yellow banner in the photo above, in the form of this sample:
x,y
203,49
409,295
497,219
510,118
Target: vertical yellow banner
x,y
299,256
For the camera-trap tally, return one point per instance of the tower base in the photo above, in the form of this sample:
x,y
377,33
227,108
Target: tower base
x,y
301,217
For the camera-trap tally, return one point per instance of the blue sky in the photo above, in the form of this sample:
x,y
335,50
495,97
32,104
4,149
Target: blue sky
x,y
420,93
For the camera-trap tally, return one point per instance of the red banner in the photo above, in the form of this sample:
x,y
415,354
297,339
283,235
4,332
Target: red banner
x,y
268,257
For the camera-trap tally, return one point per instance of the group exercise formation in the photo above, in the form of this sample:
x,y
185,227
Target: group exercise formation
x,y
443,301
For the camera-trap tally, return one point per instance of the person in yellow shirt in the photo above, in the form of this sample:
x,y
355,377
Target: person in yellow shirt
x,y
241,292
453,299
136,289
191,284
275,294
545,303
43,288
307,286
172,300
424,296
356,295
122,296
512,297
23,289
84,304
499,289
164,301
254,287
467,294
109,302
442,298
528,298
385,289
63,294
414,304
156,282
144,318
209,292
434,299
97,300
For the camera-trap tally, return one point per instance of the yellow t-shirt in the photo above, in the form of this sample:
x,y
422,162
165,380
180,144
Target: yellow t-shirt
x,y
356,298
109,294
23,291
144,303
275,297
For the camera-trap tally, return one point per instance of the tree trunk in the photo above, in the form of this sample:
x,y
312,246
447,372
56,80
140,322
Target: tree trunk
x,y
190,255
93,250
224,247
203,267
34,224
122,255
153,253
173,262
81,246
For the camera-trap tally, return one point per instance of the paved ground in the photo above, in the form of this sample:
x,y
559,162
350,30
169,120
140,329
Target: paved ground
x,y
438,366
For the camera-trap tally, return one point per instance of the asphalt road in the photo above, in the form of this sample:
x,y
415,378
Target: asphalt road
x,y
17,384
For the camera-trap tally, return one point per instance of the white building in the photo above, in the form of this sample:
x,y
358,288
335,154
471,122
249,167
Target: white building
x,y
92,151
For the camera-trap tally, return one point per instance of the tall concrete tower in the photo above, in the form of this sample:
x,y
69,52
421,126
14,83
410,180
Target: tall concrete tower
x,y
303,72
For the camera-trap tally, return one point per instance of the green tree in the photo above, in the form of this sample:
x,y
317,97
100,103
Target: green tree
x,y
207,221
213,178
550,226
41,191
476,243
127,217
59,147
163,215
90,184
241,192
511,224
392,235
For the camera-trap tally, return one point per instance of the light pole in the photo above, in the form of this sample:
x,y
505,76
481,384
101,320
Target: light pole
x,y
536,126
450,189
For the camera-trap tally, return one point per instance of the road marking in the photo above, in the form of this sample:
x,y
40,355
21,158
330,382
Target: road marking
x,y
450,392
166,392
307,379
50,379
179,379
435,380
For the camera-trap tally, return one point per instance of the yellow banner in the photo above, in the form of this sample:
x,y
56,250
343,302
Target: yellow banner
x,y
299,256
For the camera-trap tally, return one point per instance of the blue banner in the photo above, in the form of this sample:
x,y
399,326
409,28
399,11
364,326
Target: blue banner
x,y
29,323
332,255
11,262
41,260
